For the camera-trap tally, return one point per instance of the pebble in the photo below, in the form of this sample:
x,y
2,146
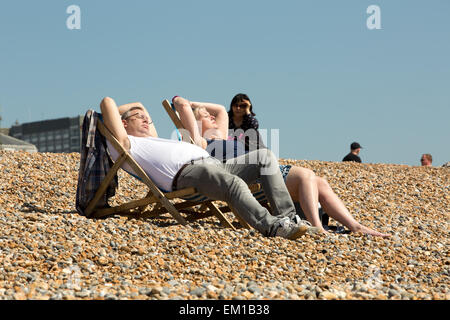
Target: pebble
x,y
49,251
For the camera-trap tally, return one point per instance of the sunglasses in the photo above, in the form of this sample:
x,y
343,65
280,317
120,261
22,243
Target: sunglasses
x,y
138,116
242,106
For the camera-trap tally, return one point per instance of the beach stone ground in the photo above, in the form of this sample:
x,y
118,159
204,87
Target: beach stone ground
x,y
49,251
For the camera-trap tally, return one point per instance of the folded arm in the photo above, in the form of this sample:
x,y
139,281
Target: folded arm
x,y
112,120
125,107
220,114
184,109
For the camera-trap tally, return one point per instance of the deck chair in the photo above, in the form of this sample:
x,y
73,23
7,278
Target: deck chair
x,y
162,200
255,188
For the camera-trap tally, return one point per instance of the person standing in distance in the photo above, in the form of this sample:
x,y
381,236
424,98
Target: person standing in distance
x,y
355,148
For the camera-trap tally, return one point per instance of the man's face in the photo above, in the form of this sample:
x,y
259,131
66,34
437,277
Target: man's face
x,y
425,161
136,124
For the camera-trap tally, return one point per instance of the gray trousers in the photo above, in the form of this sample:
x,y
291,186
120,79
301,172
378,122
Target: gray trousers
x,y
228,182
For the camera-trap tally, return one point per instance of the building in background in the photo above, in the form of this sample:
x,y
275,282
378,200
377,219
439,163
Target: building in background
x,y
58,135
8,143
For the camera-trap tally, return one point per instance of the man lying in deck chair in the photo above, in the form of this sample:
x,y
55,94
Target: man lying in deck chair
x,y
175,165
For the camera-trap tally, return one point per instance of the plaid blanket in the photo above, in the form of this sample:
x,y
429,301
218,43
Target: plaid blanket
x,y
95,163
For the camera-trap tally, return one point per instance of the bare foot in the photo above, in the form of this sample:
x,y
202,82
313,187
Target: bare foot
x,y
316,230
366,230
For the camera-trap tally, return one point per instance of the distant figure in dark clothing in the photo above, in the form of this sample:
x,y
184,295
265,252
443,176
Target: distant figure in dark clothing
x,y
355,148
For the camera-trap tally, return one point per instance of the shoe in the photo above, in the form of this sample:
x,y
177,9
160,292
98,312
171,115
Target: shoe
x,y
291,229
336,229
306,224
299,221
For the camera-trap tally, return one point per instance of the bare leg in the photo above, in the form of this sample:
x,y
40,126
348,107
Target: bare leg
x,y
336,209
188,120
302,186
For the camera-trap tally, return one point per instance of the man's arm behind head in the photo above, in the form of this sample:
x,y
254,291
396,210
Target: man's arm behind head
x,y
113,122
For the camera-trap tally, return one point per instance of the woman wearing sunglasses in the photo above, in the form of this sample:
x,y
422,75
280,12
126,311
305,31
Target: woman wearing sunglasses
x,y
242,121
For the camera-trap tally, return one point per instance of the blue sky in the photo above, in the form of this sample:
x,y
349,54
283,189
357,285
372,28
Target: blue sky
x,y
312,69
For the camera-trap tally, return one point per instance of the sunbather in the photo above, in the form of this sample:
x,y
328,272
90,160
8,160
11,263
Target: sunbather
x,y
175,165
208,125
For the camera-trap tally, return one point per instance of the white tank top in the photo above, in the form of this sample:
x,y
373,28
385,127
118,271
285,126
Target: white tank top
x,y
160,158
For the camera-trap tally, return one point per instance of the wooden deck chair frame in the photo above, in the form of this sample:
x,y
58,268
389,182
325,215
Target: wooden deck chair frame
x,y
154,196
255,188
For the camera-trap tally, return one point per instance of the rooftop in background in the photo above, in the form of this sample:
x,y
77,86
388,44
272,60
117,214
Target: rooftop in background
x,y
54,135
12,144
4,131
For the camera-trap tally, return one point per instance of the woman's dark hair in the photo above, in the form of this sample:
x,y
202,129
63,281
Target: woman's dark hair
x,y
237,99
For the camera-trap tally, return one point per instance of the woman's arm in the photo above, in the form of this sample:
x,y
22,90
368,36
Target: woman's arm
x,y
220,114
113,122
184,109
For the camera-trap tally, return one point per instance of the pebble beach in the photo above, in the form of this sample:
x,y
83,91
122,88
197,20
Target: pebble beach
x,y
49,251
